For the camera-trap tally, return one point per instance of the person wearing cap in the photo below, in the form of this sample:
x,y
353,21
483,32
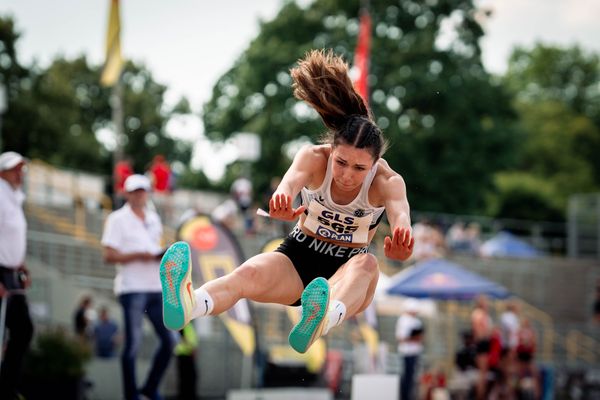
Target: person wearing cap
x,y
409,333
14,277
131,240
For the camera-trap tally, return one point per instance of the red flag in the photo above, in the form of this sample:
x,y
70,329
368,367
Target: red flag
x,y
361,56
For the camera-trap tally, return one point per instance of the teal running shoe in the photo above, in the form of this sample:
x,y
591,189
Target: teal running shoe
x,y
177,290
315,302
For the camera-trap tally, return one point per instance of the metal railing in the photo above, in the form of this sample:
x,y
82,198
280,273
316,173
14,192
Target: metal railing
x,y
584,226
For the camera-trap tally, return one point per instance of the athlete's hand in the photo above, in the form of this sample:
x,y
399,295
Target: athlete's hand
x,y
281,207
400,245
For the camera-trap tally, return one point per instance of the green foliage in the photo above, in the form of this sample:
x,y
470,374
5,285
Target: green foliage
x,y
556,138
567,75
55,356
449,127
11,72
560,86
558,103
524,196
55,113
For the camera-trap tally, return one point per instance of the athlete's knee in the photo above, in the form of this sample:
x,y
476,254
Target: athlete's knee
x,y
247,273
365,263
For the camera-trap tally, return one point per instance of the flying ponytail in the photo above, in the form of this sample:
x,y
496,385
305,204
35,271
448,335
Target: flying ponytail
x,y
321,80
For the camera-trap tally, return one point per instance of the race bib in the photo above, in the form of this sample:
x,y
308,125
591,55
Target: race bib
x,y
332,225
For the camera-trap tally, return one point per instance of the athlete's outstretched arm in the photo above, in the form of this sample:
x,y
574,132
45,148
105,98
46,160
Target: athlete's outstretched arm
x,y
400,245
298,175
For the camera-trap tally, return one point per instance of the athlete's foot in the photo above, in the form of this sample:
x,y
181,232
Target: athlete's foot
x,y
177,290
315,302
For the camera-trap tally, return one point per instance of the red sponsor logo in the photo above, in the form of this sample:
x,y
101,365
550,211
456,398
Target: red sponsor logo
x,y
204,237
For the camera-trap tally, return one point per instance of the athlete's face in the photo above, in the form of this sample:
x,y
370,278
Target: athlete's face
x,y
350,166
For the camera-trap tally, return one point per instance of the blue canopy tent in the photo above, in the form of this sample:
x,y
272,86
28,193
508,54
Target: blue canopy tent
x,y
505,244
441,279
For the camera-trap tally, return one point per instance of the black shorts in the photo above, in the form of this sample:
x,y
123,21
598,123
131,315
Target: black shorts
x,y
315,258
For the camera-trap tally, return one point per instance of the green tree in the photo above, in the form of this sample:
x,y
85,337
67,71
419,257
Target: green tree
x,y
568,76
13,76
557,99
449,126
522,195
56,113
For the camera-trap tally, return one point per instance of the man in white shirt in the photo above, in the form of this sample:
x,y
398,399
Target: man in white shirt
x,y
409,333
14,277
131,240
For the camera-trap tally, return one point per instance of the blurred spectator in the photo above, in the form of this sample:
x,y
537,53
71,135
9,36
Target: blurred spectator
x,y
163,181
465,357
433,385
242,192
14,276
526,342
429,241
456,237
482,327
82,319
186,363
465,375
528,375
464,239
473,233
172,182
509,327
160,174
409,334
123,169
496,381
132,241
226,214
106,335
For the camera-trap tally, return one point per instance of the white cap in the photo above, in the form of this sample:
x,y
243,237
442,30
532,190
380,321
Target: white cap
x,y
10,159
135,182
411,305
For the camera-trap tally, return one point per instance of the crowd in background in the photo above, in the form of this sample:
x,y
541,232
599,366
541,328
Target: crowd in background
x,y
432,242
96,328
497,357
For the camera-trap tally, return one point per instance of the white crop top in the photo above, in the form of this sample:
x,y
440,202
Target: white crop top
x,y
349,223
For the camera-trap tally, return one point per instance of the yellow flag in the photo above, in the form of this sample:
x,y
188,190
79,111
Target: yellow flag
x,y
114,59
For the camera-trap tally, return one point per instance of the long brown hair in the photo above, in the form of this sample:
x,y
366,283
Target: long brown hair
x,y
321,79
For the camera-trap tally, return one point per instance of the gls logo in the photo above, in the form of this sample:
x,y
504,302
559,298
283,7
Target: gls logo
x,y
341,224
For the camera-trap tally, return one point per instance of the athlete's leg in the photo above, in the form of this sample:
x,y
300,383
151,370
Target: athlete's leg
x,y
355,282
326,303
266,278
